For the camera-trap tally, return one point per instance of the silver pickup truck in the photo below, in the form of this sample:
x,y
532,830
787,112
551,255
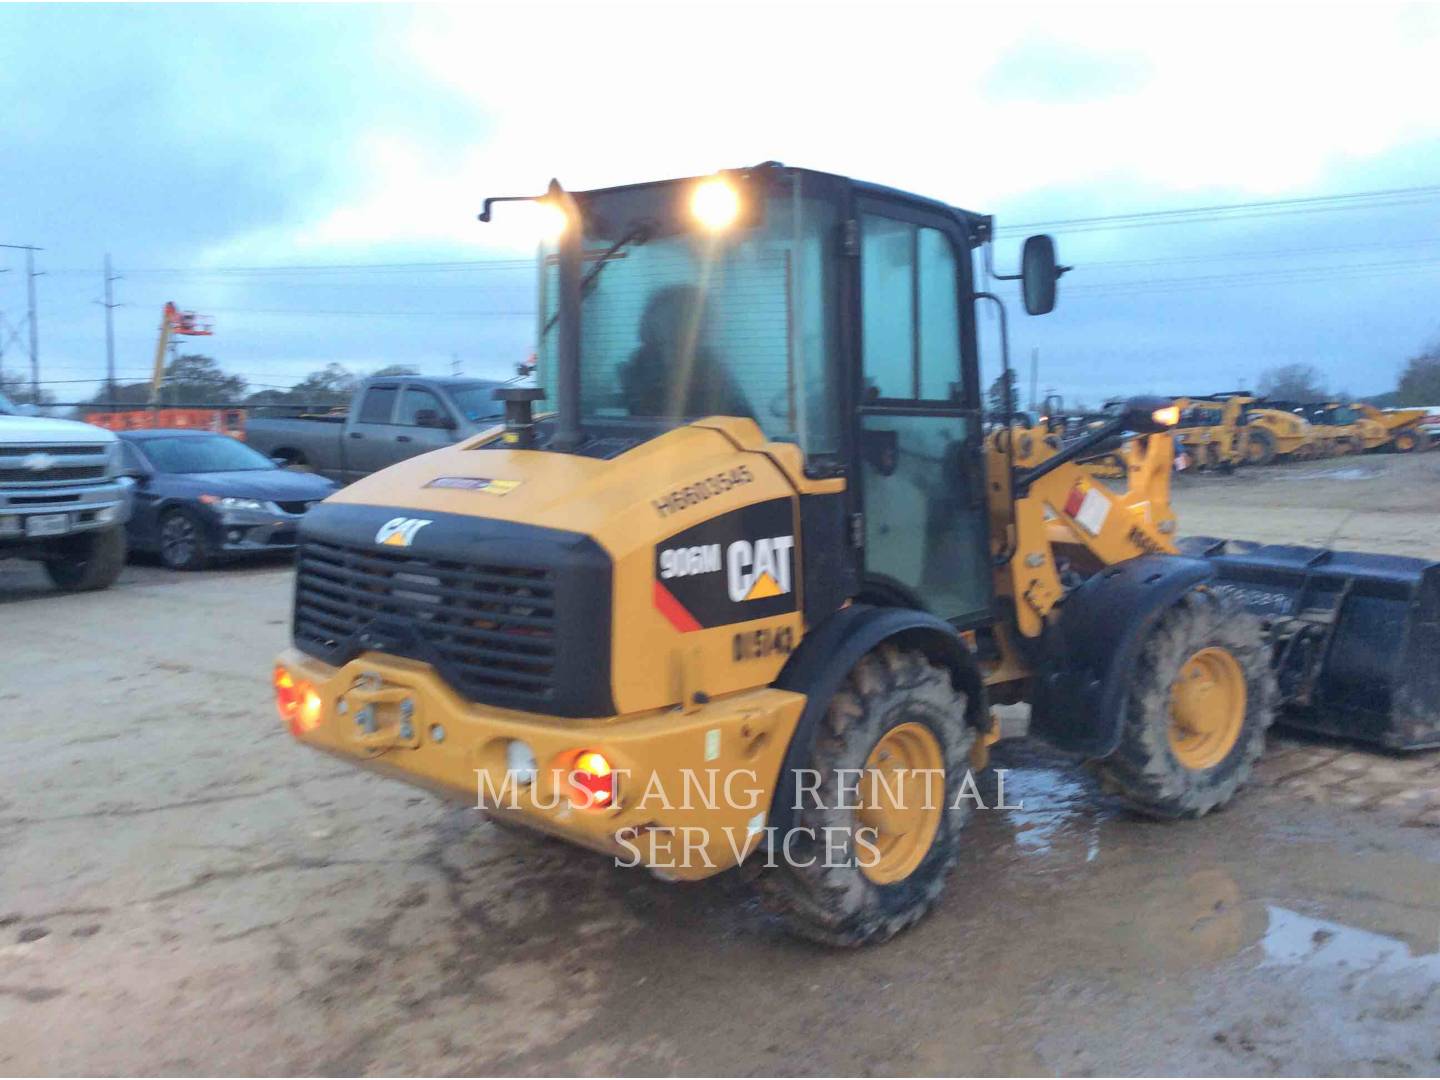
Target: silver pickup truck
x,y
390,419
63,500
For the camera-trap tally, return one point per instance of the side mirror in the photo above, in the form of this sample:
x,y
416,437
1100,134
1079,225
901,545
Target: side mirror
x,y
1039,273
431,418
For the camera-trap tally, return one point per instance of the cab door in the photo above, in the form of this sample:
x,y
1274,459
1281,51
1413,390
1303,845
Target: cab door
x,y
422,423
920,469
370,435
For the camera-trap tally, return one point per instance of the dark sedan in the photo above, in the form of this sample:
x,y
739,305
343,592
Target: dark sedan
x,y
200,496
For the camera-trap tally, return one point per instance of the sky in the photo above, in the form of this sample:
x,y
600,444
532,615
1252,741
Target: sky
x,y
229,158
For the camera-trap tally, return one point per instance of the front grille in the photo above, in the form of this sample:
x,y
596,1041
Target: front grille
x,y
490,630
296,507
57,474
92,449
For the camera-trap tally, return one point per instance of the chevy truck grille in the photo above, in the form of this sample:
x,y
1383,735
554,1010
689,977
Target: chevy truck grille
x,y
56,475
48,466
491,630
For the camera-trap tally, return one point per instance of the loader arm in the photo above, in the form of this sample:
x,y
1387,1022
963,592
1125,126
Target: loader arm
x,y
1066,520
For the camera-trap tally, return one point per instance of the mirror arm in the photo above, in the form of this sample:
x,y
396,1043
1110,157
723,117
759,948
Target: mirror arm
x,y
989,248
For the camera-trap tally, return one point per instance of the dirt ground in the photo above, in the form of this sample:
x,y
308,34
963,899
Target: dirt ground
x,y
183,890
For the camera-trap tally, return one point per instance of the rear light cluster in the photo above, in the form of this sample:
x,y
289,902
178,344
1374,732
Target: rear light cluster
x,y
593,781
297,702
586,776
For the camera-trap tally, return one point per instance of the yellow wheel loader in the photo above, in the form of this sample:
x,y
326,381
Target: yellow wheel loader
x,y
738,581
1210,429
1270,434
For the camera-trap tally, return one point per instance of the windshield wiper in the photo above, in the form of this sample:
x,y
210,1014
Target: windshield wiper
x,y
636,234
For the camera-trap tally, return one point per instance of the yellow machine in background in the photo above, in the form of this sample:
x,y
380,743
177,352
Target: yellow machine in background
x,y
1403,430
1272,434
1210,429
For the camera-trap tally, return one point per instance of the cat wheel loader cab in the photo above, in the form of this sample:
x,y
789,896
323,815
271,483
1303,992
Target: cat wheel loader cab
x,y
738,579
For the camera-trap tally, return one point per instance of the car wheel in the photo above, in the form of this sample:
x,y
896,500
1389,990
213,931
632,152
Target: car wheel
x,y
89,561
182,541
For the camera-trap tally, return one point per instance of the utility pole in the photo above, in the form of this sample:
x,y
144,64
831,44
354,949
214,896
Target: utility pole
x,y
30,276
3,342
110,307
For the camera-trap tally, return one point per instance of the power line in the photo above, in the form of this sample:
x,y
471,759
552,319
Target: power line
x,y
1278,276
442,266
1240,210
1344,249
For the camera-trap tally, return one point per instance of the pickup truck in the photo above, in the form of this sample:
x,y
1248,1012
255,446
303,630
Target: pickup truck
x,y
63,500
390,419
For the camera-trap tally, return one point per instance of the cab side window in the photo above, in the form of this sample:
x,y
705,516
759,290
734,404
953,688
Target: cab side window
x,y
910,311
414,401
378,405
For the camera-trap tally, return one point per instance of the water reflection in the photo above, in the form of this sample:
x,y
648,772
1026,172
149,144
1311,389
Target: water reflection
x,y
1292,938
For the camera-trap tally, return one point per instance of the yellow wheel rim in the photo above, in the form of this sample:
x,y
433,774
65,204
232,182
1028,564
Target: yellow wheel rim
x,y
1207,708
1254,451
901,797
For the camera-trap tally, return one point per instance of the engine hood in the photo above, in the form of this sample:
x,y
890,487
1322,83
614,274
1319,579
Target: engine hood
x,y
679,477
279,484
42,429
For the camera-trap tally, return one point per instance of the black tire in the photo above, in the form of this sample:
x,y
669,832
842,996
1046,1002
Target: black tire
x,y
88,561
1406,442
1259,447
838,904
1145,770
182,541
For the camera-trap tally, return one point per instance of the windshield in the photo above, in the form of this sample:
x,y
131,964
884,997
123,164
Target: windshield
x,y
699,323
203,453
476,401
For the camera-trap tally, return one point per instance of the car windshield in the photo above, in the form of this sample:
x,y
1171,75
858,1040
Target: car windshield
x,y
692,323
203,453
476,402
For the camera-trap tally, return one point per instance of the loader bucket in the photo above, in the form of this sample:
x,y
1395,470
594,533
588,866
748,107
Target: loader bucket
x,y
1356,637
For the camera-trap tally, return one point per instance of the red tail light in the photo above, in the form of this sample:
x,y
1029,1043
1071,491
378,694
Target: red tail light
x,y
297,702
593,781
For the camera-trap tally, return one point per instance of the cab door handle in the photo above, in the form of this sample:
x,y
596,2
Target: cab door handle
x,y
402,438
356,435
